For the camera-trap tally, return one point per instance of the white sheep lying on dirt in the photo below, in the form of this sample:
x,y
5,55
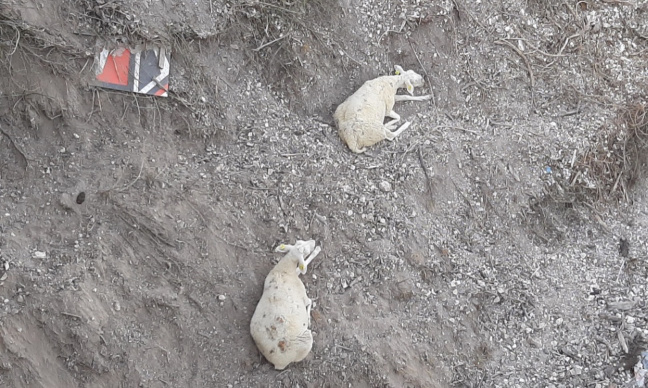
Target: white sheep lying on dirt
x,y
281,321
360,117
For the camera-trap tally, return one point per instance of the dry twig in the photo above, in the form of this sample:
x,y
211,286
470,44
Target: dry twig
x,y
521,54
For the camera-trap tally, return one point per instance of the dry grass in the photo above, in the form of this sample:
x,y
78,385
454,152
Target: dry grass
x,y
611,168
106,19
286,35
22,40
607,172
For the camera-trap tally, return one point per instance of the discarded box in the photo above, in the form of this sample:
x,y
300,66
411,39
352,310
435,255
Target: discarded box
x,y
141,70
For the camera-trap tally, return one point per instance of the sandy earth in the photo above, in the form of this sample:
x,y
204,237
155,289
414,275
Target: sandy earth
x,y
499,242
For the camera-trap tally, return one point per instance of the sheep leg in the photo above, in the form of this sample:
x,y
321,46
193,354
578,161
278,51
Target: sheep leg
x,y
310,258
309,304
353,146
391,125
396,118
405,97
357,150
389,135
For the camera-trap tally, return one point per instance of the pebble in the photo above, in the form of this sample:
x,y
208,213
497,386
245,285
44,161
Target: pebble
x,y
385,186
39,255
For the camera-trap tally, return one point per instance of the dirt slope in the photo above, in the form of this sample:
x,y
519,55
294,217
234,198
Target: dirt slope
x,y
499,242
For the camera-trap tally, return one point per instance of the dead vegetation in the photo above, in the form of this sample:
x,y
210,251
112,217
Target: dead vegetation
x,y
111,19
291,40
613,165
18,39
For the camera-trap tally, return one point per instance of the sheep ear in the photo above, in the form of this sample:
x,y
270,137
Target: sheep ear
x,y
302,266
399,70
283,248
410,87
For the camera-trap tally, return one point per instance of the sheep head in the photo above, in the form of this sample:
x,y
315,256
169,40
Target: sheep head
x,y
299,251
410,78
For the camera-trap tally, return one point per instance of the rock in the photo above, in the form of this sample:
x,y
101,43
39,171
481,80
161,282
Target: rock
x,y
39,255
385,186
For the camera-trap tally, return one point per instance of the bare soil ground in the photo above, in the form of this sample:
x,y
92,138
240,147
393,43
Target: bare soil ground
x,y
499,242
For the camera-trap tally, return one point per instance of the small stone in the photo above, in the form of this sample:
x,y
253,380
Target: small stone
x,y
385,186
39,255
221,297
116,306
577,371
